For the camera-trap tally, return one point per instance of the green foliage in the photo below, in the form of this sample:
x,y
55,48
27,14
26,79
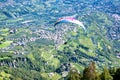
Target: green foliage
x,y
74,75
4,76
5,56
79,50
116,76
51,76
21,74
112,71
5,44
105,75
90,73
3,34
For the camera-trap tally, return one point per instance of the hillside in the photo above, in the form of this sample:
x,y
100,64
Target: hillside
x,y
29,43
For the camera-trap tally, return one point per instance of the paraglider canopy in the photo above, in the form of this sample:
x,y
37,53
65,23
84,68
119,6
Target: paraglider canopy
x,y
71,20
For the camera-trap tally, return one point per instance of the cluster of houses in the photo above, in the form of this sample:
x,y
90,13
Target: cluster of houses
x,y
114,31
56,36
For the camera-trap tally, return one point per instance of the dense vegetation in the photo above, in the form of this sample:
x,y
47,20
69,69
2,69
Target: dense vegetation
x,y
78,51
90,73
31,48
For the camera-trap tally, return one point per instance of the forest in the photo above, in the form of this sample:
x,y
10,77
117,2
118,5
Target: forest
x,y
89,73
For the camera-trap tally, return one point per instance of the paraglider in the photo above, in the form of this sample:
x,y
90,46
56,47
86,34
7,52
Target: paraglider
x,y
71,20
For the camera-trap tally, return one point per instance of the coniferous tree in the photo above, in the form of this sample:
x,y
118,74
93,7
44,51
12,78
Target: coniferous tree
x,y
112,71
105,75
90,73
117,74
73,75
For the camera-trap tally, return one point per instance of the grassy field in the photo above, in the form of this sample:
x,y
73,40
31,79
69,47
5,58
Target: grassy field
x,y
2,16
1,38
77,66
4,30
5,44
4,76
49,57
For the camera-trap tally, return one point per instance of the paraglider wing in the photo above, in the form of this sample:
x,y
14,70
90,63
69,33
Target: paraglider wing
x,y
69,19
60,21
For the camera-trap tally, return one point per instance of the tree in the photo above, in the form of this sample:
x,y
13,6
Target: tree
x,y
73,75
117,74
105,75
112,71
90,73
